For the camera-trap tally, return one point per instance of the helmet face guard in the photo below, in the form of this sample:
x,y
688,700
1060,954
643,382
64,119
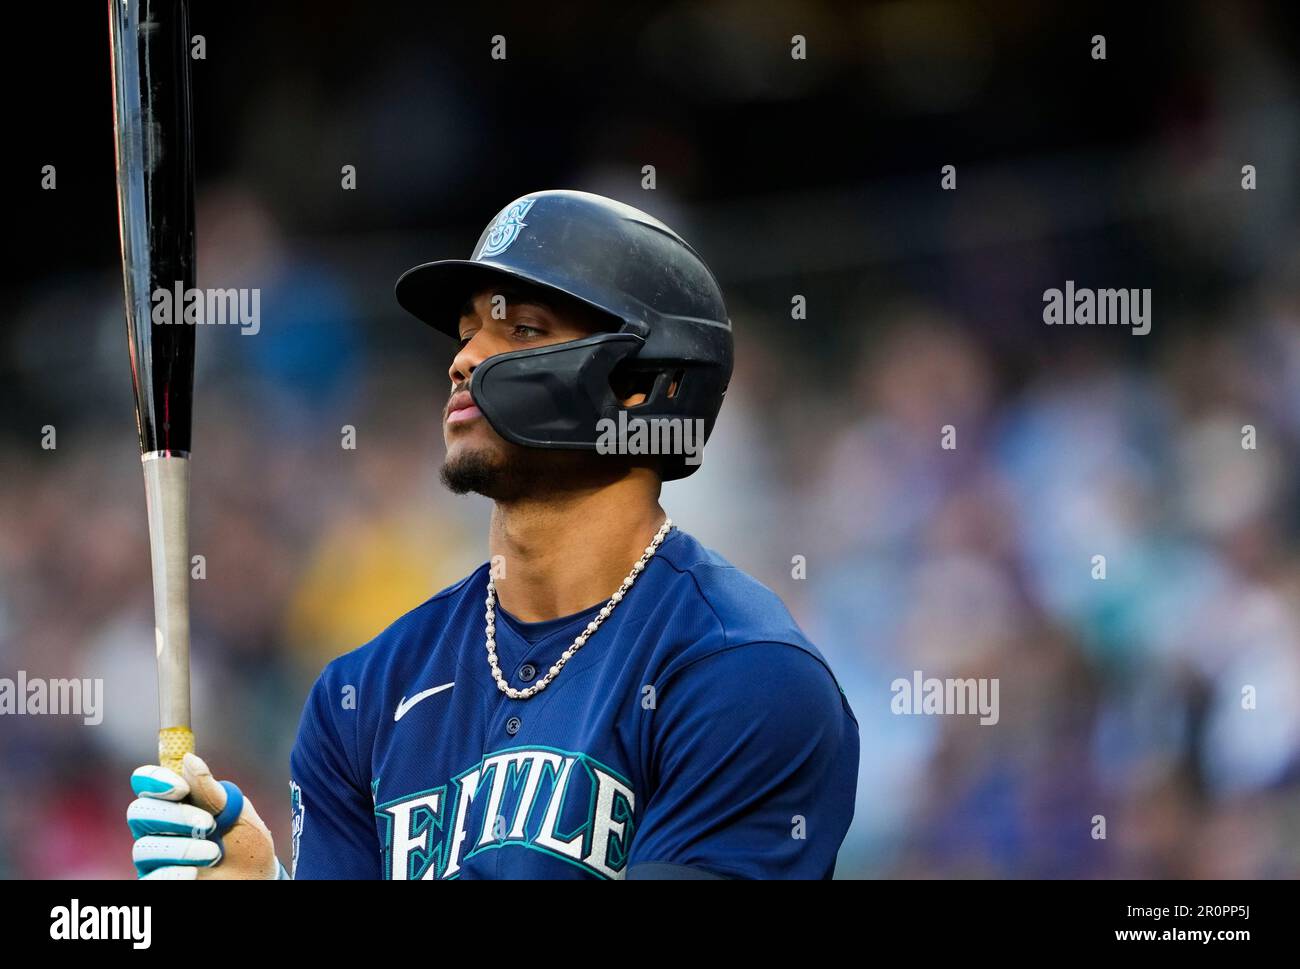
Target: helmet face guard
x,y
553,396
673,338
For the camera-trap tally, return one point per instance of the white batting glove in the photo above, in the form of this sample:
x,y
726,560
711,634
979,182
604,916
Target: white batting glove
x,y
189,825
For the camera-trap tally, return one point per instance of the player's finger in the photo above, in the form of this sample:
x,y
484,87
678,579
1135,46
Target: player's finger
x,y
223,798
149,817
159,782
206,790
151,853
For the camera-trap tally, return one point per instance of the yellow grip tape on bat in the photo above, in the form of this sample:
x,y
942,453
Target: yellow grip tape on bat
x,y
173,744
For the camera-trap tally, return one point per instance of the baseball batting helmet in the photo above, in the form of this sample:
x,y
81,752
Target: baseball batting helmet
x,y
670,335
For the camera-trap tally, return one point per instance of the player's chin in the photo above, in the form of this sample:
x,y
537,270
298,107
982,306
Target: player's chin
x,y
473,466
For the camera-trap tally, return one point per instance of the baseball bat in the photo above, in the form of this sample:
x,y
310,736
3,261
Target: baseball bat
x,y
149,40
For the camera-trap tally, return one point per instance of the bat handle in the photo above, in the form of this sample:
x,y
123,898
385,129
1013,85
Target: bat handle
x,y
173,744
167,493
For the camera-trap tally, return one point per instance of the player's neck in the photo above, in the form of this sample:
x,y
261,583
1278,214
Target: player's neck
x,y
564,554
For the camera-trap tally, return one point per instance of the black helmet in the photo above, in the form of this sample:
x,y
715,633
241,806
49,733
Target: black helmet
x,y
671,336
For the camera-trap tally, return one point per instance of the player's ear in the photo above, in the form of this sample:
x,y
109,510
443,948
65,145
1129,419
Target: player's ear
x,y
632,387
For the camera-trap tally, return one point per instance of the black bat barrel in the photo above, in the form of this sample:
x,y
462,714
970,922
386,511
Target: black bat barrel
x,y
155,197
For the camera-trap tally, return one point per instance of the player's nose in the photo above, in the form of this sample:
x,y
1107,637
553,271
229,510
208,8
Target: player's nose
x,y
466,359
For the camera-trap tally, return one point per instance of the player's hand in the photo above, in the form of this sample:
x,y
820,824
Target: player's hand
x,y
189,826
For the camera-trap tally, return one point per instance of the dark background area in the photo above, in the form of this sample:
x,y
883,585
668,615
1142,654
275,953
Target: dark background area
x,y
817,177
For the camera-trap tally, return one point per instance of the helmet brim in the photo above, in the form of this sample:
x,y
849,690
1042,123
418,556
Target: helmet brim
x,y
436,292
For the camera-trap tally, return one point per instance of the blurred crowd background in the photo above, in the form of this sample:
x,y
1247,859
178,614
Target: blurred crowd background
x,y
1119,697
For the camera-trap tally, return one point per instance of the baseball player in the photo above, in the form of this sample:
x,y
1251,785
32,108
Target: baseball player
x,y
604,698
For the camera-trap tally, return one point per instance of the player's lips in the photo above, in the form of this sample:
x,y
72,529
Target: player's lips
x,y
461,408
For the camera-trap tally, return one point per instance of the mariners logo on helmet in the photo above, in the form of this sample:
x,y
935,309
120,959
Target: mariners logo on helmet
x,y
505,229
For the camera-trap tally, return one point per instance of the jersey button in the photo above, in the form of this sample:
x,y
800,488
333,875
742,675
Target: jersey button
x,y
527,672
513,725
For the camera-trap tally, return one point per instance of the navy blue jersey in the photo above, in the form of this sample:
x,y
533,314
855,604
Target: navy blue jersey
x,y
697,733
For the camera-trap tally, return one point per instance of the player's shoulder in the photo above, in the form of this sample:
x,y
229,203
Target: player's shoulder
x,y
742,608
412,633
745,617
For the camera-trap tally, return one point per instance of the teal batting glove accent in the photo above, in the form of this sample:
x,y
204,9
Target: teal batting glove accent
x,y
143,786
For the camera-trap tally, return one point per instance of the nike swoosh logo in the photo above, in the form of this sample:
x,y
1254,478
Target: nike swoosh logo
x,y
406,704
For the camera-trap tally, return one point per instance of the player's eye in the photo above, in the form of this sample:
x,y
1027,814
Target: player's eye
x,y
526,332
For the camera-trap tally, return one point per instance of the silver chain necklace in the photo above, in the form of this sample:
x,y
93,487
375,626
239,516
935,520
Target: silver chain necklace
x,y
583,636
